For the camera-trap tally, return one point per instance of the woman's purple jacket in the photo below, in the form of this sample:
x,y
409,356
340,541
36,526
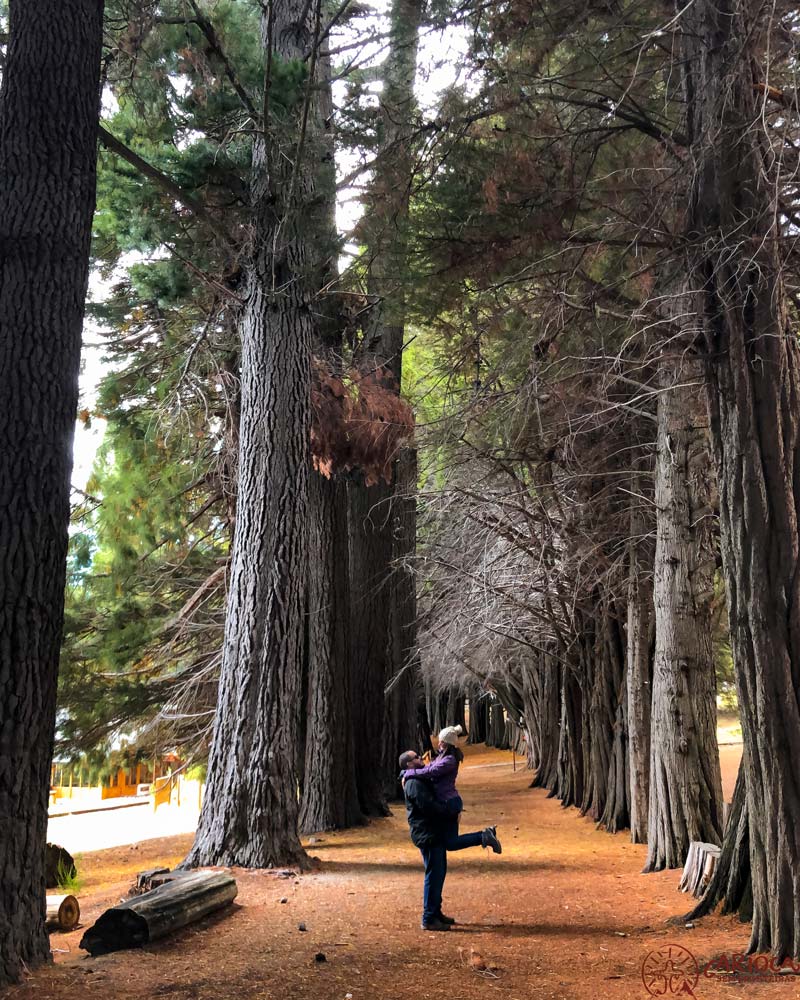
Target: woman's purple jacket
x,y
442,772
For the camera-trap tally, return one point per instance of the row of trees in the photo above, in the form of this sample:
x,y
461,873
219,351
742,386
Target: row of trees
x,y
576,263
642,230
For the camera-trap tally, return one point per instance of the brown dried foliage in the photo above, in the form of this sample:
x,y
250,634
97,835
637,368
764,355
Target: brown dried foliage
x,y
359,421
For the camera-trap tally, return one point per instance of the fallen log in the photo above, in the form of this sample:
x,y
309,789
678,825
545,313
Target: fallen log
x,y
63,912
160,912
700,864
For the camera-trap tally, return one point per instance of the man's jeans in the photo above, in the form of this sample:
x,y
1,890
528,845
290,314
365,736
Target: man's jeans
x,y
435,858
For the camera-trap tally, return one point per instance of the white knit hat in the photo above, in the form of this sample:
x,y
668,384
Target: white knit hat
x,y
450,735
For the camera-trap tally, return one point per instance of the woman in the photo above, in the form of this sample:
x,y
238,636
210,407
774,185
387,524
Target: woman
x,y
442,773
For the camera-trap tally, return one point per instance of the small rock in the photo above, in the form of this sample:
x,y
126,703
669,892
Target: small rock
x,y
320,957
301,927
283,899
689,927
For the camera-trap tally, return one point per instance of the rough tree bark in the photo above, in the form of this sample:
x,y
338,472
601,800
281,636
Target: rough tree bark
x,y
477,718
497,727
329,795
685,784
390,612
639,665
405,698
369,512
546,720
604,749
250,811
570,768
330,798
616,808
733,239
455,709
49,109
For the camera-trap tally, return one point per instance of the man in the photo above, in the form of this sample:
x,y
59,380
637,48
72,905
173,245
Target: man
x,y
427,821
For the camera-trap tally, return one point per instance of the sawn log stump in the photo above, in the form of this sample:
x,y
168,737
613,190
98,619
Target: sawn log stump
x,y
63,912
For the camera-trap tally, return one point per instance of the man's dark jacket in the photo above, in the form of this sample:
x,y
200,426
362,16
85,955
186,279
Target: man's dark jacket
x,y
426,816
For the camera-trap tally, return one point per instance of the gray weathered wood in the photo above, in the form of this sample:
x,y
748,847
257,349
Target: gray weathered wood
x,y
685,784
701,861
160,912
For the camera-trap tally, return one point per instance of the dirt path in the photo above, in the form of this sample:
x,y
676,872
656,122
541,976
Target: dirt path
x,y
563,913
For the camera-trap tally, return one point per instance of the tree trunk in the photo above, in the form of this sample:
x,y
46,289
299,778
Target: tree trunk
x,y
616,808
477,718
497,726
405,687
370,634
546,722
569,786
455,709
393,646
250,811
49,108
330,797
602,667
753,370
639,665
685,785
439,715
422,742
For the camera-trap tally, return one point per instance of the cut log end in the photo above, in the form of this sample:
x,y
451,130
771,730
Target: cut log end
x,y
63,912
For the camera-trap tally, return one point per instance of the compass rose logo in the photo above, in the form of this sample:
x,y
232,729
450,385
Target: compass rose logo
x,y
670,971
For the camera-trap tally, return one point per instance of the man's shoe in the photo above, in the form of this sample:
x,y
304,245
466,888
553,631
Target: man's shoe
x,y
489,839
435,925
445,920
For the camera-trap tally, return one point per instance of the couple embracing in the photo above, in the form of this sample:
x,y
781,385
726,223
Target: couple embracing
x,y
433,806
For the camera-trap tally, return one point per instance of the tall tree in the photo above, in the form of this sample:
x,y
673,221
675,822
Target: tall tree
x,y
685,783
49,109
329,799
250,813
735,256
639,666
383,517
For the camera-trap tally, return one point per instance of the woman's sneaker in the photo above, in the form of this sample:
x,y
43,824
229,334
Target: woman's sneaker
x,y
489,839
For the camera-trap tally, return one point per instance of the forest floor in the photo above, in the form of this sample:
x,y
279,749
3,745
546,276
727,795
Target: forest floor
x,y
563,913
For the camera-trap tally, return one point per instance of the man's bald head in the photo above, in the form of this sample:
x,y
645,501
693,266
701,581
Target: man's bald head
x,y
410,761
